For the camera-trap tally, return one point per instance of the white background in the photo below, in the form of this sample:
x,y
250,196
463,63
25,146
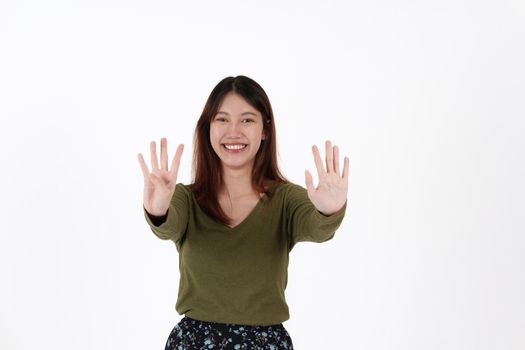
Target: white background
x,y
426,98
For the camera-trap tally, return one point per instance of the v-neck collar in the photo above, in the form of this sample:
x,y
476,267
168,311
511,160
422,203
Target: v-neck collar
x,y
246,220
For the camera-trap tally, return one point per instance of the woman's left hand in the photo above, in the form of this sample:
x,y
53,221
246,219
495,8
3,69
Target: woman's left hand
x,y
330,195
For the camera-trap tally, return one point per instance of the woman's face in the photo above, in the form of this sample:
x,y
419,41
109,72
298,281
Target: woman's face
x,y
236,132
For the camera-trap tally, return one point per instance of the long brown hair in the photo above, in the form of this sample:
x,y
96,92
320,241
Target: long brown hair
x,y
206,171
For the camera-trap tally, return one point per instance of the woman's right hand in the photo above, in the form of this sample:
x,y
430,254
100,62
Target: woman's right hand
x,y
159,184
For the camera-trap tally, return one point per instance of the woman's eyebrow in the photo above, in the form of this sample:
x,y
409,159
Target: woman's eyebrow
x,y
244,113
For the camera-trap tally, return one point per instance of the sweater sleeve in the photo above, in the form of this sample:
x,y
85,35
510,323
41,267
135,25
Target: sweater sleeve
x,y
304,222
173,224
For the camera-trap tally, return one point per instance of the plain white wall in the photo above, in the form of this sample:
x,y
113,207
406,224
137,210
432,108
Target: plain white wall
x,y
426,98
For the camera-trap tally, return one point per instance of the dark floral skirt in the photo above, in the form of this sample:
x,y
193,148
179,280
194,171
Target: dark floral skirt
x,y
190,334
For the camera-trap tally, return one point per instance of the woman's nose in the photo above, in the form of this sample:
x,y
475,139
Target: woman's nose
x,y
234,127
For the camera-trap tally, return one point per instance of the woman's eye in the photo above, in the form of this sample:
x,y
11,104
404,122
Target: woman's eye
x,y
249,120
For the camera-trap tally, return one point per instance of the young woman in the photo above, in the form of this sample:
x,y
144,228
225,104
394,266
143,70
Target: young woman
x,y
235,225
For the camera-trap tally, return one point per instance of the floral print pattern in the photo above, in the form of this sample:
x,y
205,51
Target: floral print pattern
x,y
191,334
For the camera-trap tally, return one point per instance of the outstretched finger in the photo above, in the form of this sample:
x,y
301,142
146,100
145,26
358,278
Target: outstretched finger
x,y
336,160
318,161
329,157
153,155
143,166
175,163
164,154
346,168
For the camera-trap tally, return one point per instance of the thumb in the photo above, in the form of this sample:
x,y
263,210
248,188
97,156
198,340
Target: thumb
x,y
155,179
309,181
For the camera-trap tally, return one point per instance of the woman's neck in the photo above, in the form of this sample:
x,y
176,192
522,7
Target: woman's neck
x,y
237,183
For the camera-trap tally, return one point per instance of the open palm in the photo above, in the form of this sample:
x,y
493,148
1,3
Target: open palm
x,y
331,193
159,184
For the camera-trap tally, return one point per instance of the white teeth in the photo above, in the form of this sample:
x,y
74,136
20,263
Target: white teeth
x,y
234,146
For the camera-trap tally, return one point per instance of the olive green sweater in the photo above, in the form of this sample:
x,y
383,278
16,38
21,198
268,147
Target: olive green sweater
x,y
238,275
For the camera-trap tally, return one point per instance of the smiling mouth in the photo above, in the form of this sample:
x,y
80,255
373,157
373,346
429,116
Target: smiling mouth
x,y
234,147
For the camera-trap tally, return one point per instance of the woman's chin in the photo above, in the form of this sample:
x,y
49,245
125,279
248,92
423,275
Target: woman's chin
x,y
228,164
